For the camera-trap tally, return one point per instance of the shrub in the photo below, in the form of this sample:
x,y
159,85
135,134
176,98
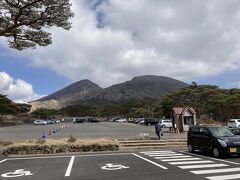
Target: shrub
x,y
5,143
72,139
40,141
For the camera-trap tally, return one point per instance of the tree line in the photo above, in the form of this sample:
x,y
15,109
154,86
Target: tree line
x,y
208,100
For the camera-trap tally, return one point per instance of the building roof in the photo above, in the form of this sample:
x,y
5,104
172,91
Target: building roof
x,y
181,110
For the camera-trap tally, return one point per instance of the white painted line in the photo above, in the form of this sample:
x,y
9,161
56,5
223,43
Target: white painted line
x,y
156,164
190,162
172,157
182,159
202,166
3,161
84,155
161,155
156,152
152,154
69,168
212,171
224,177
211,158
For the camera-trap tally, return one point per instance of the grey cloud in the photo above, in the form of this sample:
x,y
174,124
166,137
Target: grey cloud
x,y
182,39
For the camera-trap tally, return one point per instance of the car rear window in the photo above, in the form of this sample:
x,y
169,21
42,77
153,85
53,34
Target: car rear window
x,y
231,121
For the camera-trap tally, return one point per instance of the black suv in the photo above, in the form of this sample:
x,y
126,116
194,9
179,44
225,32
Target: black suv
x,y
150,121
218,140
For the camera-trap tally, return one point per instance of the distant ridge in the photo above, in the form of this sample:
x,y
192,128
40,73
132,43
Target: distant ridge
x,y
87,92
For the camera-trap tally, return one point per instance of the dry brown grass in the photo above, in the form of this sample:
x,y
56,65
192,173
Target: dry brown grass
x,y
85,141
208,121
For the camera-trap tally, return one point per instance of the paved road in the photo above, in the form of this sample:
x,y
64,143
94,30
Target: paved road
x,y
86,130
151,165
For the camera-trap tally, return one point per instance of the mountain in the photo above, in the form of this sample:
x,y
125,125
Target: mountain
x,y
139,87
87,92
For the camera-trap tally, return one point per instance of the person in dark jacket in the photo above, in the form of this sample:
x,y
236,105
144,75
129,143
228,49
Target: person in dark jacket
x,y
158,129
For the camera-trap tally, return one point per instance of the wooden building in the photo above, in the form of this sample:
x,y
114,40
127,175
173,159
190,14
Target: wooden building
x,y
183,117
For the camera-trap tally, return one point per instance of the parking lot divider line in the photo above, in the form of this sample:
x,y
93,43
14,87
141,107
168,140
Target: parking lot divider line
x,y
69,168
230,162
3,161
82,155
224,177
156,164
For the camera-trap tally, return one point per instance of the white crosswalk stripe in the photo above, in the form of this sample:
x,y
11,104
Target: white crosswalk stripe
x,y
190,162
213,171
171,157
159,155
224,177
196,165
181,159
202,166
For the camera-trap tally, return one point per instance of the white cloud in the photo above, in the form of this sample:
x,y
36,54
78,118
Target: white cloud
x,y
181,39
17,90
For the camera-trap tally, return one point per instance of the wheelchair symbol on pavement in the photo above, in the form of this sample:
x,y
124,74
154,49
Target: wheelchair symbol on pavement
x,y
17,173
111,167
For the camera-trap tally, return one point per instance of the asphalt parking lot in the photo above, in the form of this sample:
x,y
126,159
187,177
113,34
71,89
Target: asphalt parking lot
x,y
85,130
151,165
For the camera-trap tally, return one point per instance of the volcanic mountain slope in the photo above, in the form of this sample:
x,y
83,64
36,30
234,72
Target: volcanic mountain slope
x,y
140,87
87,92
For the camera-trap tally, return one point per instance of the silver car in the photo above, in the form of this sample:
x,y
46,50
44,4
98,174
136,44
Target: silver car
x,y
40,122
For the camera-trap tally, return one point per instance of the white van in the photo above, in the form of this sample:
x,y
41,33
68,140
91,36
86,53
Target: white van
x,y
233,123
166,123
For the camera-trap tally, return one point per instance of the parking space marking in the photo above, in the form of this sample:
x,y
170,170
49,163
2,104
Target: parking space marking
x,y
213,171
172,157
159,155
202,166
198,165
69,168
211,158
79,155
190,162
3,161
156,164
224,177
183,159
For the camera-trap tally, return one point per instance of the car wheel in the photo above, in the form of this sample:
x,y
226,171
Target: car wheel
x,y
163,126
190,148
148,124
216,153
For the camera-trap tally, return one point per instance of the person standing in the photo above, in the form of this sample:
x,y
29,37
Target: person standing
x,y
158,130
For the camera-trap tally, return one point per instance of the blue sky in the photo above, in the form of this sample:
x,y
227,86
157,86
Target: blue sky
x,y
113,41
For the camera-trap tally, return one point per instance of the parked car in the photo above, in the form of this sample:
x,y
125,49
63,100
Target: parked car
x,y
114,119
92,120
50,122
121,120
40,122
139,121
235,131
166,123
234,123
79,120
218,140
150,121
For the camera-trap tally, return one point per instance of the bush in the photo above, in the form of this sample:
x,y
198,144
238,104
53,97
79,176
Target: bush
x,y
72,139
40,141
5,143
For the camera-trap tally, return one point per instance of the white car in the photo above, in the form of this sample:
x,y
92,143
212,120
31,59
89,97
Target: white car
x,y
166,123
234,123
40,122
121,120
